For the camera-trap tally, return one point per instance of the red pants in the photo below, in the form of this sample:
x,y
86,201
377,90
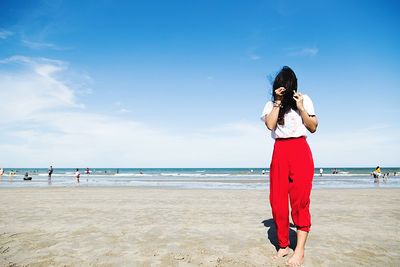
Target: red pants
x,y
291,174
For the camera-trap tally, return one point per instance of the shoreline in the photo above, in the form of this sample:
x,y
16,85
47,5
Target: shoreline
x,y
162,187
134,187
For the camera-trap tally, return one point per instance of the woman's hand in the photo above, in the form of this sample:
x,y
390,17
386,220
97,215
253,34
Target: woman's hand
x,y
279,93
299,101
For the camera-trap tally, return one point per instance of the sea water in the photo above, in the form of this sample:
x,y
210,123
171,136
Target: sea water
x,y
192,178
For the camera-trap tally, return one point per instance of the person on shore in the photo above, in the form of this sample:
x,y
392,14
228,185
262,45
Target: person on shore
x,y
77,175
1,171
50,172
289,116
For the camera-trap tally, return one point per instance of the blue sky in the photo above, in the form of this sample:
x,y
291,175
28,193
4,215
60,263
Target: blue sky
x,y
182,83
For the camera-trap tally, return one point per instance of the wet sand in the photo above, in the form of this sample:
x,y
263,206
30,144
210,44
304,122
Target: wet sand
x,y
111,226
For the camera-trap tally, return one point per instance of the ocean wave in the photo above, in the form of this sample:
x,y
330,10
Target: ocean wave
x,y
134,174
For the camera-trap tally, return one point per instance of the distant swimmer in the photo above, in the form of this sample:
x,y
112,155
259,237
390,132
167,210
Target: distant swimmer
x,y
87,171
378,169
50,172
377,172
1,171
11,175
321,171
263,172
27,177
77,175
385,177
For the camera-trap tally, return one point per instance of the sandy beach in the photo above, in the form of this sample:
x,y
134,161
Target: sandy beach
x,y
116,226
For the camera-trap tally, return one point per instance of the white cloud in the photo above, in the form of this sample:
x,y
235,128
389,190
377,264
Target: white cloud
x,y
303,52
253,54
121,108
41,45
5,34
43,123
124,110
367,146
32,88
254,57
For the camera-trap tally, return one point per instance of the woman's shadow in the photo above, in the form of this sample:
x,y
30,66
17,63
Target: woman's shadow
x,y
269,223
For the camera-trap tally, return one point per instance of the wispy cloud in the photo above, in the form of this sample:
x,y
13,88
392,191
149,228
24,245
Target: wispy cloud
x,y
252,53
362,147
254,57
4,34
40,65
124,110
32,86
42,117
303,52
41,45
121,108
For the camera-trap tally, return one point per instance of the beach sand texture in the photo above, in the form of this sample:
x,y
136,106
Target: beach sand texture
x,y
85,226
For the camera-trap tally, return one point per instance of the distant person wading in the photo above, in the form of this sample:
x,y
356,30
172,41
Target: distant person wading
x,y
50,172
289,117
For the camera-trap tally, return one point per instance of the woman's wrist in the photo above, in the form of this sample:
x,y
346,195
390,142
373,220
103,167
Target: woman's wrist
x,y
277,104
301,109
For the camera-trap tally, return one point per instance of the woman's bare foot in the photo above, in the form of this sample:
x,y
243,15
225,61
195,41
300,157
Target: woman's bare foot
x,y
282,252
297,259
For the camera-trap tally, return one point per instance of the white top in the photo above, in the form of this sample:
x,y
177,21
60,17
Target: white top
x,y
293,126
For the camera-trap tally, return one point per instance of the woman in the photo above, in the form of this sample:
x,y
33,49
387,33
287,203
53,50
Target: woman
x,y
289,116
77,175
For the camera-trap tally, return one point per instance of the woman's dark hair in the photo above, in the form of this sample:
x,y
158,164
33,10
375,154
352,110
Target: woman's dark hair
x,y
285,78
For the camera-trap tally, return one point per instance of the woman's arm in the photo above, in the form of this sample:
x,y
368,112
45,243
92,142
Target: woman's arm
x,y
311,122
272,118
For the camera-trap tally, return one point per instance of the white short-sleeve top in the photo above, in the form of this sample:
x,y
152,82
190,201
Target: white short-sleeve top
x,y
293,126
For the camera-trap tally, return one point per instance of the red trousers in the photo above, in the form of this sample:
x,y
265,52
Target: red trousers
x,y
291,174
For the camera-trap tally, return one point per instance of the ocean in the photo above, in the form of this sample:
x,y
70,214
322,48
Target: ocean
x,y
192,178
